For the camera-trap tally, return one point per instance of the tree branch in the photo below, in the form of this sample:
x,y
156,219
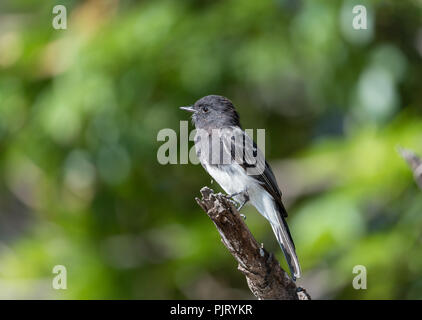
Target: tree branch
x,y
265,278
414,162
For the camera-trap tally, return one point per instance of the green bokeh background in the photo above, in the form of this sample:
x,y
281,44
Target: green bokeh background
x,y
80,110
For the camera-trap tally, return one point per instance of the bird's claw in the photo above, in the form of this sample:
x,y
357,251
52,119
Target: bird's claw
x,y
234,203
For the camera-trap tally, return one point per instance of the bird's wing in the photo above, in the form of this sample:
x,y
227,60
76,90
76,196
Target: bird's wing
x,y
245,152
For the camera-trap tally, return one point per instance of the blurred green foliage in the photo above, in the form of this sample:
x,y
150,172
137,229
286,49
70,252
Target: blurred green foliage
x,y
80,110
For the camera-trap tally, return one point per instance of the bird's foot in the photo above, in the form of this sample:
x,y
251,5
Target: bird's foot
x,y
231,196
245,198
234,203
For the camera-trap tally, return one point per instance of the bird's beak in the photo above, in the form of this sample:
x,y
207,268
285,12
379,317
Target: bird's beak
x,y
188,108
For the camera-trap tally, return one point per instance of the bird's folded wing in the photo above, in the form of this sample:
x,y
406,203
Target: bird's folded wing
x,y
244,151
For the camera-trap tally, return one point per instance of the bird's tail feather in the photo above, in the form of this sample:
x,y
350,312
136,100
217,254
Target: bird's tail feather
x,y
282,233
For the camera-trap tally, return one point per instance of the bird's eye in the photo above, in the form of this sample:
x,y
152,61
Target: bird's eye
x,y
205,109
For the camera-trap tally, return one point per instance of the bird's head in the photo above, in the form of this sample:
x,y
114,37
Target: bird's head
x,y
213,111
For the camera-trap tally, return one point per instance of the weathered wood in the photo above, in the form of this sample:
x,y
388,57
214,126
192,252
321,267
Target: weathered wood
x,y
264,275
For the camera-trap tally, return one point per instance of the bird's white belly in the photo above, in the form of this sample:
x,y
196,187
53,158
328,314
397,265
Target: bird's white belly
x,y
237,180
231,178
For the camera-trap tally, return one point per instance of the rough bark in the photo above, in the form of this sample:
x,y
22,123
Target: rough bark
x,y
414,162
265,278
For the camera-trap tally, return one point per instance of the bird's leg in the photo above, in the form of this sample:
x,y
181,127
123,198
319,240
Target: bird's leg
x,y
245,197
229,198
245,200
233,195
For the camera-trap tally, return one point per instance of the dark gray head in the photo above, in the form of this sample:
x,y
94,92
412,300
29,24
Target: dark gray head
x,y
212,112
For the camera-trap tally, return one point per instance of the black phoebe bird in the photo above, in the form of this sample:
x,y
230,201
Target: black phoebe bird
x,y
233,159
